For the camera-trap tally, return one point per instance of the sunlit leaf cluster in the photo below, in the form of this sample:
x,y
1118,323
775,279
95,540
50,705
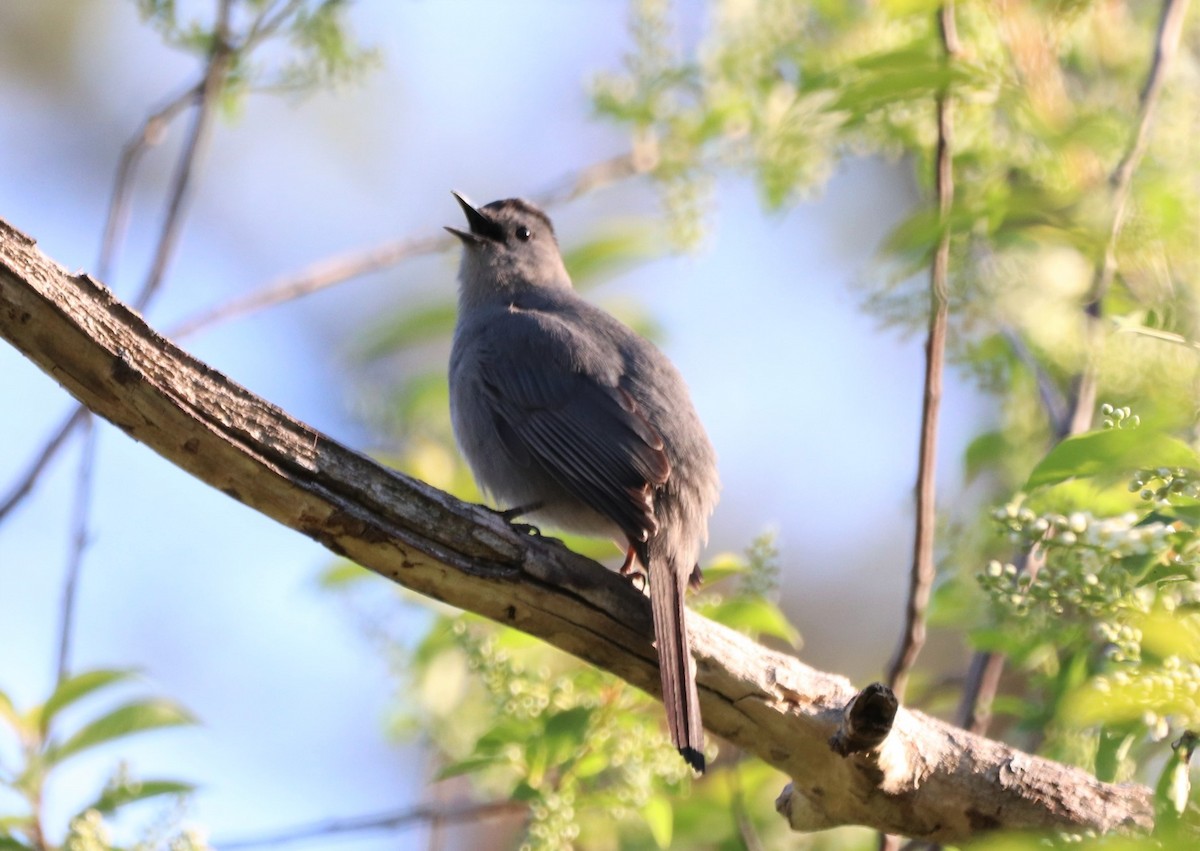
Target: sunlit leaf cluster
x,y
285,46
42,743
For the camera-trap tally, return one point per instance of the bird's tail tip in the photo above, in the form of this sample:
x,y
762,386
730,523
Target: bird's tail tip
x,y
693,757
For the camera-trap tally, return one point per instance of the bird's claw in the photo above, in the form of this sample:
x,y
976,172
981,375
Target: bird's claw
x,y
526,529
510,515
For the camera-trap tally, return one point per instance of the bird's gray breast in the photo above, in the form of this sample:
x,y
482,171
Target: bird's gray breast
x,y
513,372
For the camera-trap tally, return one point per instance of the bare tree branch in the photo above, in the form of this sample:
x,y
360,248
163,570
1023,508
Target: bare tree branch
x,y
320,276
921,576
328,273
438,812
930,780
1170,27
1076,417
205,98
25,484
345,267
151,133
197,139
80,514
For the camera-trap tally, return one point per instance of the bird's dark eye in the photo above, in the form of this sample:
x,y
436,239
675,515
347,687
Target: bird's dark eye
x,y
524,234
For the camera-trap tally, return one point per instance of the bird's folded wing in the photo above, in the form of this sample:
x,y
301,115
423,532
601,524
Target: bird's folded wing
x,y
587,434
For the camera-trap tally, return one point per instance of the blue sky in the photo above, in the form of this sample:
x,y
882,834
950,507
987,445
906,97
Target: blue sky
x,y
812,407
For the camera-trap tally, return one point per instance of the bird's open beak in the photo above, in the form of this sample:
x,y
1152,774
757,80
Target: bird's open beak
x,y
482,228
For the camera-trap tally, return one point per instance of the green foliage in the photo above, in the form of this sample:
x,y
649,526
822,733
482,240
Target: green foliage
x,y
1103,615
1090,579
290,46
46,750
586,752
1090,583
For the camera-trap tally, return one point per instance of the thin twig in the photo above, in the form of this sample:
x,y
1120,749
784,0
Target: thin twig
x,y
331,272
921,577
345,267
385,821
741,816
25,484
210,87
1170,27
984,673
317,277
80,515
115,223
151,133
1053,401
264,25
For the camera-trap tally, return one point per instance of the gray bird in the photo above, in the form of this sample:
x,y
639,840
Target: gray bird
x,y
568,418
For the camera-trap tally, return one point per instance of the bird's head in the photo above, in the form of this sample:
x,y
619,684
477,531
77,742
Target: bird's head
x,y
509,246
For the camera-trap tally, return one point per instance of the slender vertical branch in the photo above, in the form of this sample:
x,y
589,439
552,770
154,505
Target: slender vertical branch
x,y
79,542
922,574
984,674
219,60
214,76
1170,27
150,134
25,484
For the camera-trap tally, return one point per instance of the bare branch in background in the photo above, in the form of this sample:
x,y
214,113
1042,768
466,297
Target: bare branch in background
x,y
439,812
319,276
1076,417
80,514
1170,27
331,272
354,264
151,133
205,97
25,484
193,148
921,577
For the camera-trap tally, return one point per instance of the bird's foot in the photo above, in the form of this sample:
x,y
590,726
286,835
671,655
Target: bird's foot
x,y
526,529
511,514
633,570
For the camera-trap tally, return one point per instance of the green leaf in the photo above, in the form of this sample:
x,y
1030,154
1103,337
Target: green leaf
x,y
470,765
136,717
608,253
1113,452
1174,785
1166,572
983,452
525,793
9,713
116,797
755,616
571,722
591,764
723,566
1166,634
414,326
341,574
10,843
75,688
1112,750
660,818
565,732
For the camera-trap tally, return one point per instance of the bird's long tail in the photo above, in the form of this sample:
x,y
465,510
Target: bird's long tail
x,y
668,581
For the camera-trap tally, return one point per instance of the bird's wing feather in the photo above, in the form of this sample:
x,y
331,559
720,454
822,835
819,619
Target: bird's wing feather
x,y
580,426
